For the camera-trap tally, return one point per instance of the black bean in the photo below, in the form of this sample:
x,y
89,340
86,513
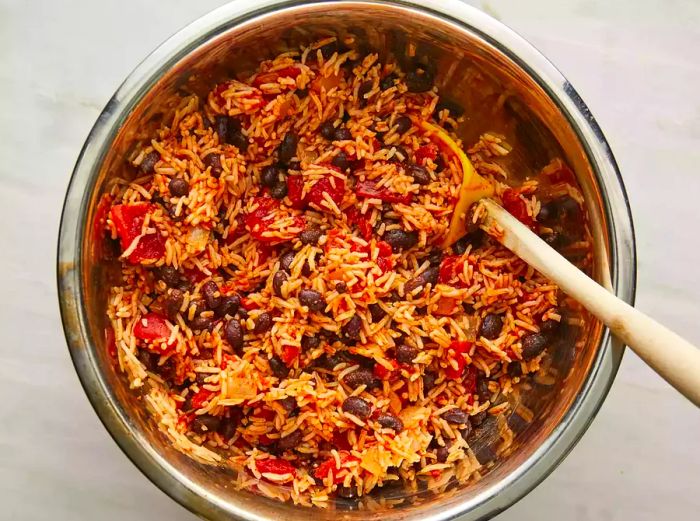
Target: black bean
x,y
149,359
209,290
291,441
149,161
419,174
429,276
287,149
482,389
329,361
435,258
230,131
175,217
456,416
403,124
441,454
229,305
358,407
569,209
405,354
419,80
515,369
289,403
202,323
363,89
278,279
302,93
310,342
168,274
279,369
400,239
377,312
347,492
341,160
466,430
362,376
491,326
388,81
390,421
271,175
400,155
312,299
286,260
550,327
328,49
428,381
548,212
456,110
206,423
327,130
310,235
233,333
279,191
474,238
353,327
341,287
173,303
533,344
213,161
228,428
478,418
263,323
178,187
342,134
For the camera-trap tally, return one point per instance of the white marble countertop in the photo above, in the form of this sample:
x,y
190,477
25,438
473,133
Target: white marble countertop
x,y
635,64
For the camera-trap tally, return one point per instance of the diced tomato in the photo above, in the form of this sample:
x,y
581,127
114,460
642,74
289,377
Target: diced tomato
x,y
455,352
369,190
429,151
265,413
128,219
202,396
435,473
270,77
515,205
361,221
259,220
110,342
383,373
340,440
155,327
265,441
449,267
385,264
289,354
275,466
295,187
194,275
469,380
335,188
329,466
384,249
100,217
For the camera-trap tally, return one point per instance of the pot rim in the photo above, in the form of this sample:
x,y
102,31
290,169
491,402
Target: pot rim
x,y
622,248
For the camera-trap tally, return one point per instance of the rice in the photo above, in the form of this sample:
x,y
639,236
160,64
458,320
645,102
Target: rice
x,y
208,318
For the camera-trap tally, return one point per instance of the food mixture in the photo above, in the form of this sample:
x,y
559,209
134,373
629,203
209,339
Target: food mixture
x,y
288,304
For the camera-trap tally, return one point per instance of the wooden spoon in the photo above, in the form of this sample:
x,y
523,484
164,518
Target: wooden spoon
x,y
672,357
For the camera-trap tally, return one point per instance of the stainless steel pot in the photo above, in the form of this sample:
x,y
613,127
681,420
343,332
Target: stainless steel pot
x,y
504,84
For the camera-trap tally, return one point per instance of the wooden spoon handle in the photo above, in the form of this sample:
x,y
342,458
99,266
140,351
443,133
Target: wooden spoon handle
x,y
672,357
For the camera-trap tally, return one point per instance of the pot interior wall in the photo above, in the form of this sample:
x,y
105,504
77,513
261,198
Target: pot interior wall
x,y
497,96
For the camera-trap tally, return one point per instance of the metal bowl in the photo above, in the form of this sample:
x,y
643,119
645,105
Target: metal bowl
x,y
505,86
